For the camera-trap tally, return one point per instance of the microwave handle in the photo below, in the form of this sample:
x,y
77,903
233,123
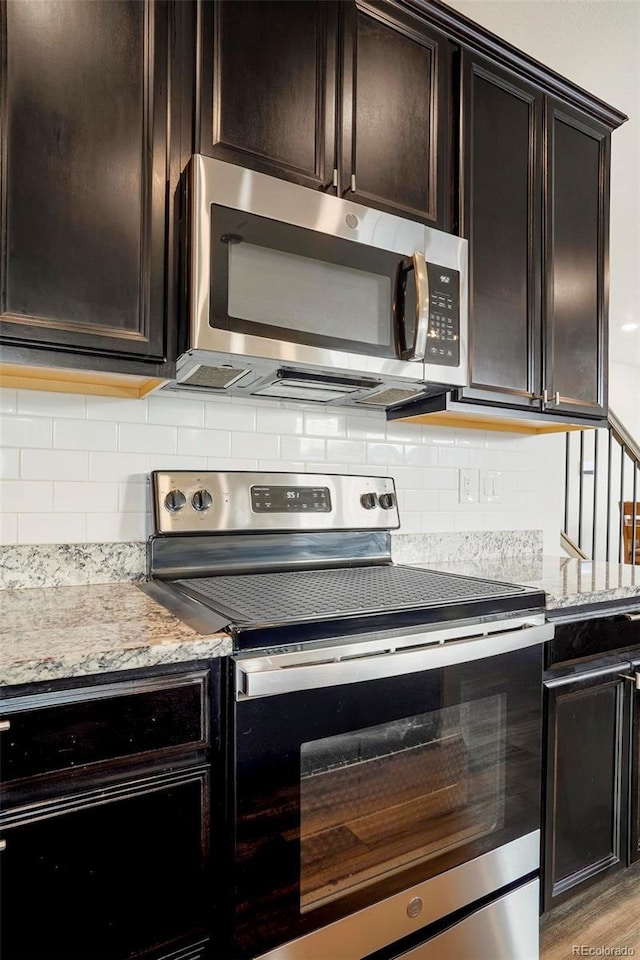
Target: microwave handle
x,y
417,349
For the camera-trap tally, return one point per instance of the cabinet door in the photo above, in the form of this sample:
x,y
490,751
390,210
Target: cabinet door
x,y
576,245
634,818
109,878
586,777
267,96
396,81
84,175
501,218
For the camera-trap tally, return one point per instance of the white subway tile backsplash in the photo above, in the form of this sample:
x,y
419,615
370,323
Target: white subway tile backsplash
x,y
303,448
173,461
117,409
346,451
77,467
365,428
280,421
176,412
325,425
80,497
439,478
231,463
289,466
148,438
85,435
420,455
199,442
9,463
404,432
114,527
230,416
52,528
54,465
391,453
120,466
133,498
407,478
17,431
8,528
473,520
261,446
454,457
8,400
72,405
437,522
26,496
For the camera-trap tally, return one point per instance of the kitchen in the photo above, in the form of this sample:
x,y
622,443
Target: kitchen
x,y
76,501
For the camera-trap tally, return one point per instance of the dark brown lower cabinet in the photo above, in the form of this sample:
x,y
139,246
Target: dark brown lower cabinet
x,y
587,778
107,877
105,803
634,819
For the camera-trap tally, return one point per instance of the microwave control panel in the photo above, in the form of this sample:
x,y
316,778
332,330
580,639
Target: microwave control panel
x,y
443,338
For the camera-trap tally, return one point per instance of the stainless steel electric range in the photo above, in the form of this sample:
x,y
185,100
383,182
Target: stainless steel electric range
x,y
383,751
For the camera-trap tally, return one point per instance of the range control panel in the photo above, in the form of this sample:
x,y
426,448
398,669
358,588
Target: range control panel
x,y
186,501
443,339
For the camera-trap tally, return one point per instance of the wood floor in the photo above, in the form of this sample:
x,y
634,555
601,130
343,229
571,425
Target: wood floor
x,y
607,915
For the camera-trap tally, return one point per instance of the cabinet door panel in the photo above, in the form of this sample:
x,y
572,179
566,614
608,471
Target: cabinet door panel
x,y
576,246
108,880
84,174
501,219
395,123
634,819
268,87
586,810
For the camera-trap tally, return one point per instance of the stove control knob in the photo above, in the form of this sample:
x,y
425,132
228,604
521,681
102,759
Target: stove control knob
x,y
201,500
368,500
175,501
387,501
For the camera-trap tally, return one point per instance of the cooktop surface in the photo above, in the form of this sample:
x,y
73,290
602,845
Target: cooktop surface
x,y
306,595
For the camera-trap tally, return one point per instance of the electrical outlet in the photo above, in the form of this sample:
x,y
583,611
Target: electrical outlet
x,y
490,486
468,486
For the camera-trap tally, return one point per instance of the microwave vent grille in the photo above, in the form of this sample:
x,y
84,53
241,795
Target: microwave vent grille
x,y
389,397
216,378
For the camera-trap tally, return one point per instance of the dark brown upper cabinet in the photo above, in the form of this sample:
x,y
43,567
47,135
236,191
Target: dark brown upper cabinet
x,y
576,258
535,211
267,96
502,219
395,110
85,171
351,98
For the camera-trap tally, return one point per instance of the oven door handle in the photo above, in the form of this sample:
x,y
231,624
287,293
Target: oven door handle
x,y
288,673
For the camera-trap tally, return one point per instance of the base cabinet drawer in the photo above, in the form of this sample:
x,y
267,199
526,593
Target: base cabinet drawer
x,y
71,729
110,876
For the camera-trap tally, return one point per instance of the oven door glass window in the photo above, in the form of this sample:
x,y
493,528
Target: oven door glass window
x,y
377,800
271,279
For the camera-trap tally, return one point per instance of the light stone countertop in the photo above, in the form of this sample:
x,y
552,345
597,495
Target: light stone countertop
x,y
51,633
567,582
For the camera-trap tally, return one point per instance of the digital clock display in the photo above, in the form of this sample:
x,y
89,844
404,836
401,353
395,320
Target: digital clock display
x,y
277,499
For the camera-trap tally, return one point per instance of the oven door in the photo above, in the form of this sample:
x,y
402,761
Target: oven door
x,y
361,778
284,273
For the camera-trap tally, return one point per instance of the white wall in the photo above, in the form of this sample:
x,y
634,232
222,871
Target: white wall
x,y
595,43
74,468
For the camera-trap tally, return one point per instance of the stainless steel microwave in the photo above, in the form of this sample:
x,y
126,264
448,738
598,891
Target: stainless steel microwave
x,y
295,294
